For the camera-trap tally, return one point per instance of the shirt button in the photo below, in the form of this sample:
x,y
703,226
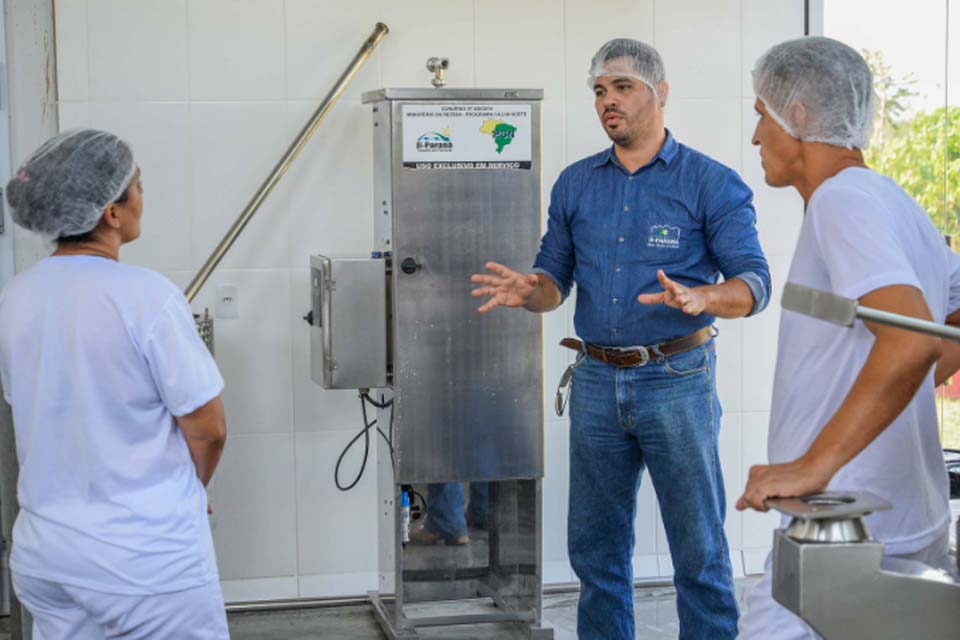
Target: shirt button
x,y
617,270
620,239
614,332
626,208
630,178
616,300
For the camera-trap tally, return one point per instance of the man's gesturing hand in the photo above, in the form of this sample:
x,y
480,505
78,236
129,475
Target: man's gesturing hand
x,y
674,294
505,288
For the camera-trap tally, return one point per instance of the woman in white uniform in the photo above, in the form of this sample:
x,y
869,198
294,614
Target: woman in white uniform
x,y
117,413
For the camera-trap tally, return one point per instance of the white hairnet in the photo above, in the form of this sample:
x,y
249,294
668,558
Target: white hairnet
x,y
624,57
831,81
63,188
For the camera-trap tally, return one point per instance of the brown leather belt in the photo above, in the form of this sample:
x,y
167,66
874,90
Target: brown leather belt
x,y
639,356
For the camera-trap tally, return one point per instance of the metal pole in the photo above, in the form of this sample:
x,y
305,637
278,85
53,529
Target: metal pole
x,y
830,307
280,169
360,601
906,322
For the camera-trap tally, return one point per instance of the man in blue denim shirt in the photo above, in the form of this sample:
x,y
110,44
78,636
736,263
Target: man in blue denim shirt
x,y
645,229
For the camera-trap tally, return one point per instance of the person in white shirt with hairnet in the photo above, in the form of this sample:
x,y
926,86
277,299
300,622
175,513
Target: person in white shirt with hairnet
x,y
853,409
117,413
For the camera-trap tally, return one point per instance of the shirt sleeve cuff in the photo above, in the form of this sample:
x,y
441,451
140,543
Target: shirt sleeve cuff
x,y
760,295
556,283
198,400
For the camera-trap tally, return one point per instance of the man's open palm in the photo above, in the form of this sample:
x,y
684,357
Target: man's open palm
x,y
506,288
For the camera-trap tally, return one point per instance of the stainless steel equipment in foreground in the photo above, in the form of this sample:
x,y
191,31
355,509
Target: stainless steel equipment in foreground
x,y
826,567
830,572
456,183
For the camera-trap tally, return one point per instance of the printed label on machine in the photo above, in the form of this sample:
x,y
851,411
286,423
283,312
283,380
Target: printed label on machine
x,y
466,136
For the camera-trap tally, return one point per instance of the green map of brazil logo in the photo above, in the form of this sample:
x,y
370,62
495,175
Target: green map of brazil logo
x,y
501,132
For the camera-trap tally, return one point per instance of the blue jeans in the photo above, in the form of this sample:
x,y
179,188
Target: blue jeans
x,y
446,515
664,416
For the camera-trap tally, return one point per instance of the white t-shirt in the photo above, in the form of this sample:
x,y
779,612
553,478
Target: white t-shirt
x,y
96,358
862,232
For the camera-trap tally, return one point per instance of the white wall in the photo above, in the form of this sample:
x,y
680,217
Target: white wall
x,y
209,92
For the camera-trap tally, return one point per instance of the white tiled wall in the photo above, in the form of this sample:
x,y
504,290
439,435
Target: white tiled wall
x,y
210,92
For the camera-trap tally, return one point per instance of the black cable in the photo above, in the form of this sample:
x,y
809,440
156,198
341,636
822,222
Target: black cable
x,y
388,438
364,396
365,434
379,405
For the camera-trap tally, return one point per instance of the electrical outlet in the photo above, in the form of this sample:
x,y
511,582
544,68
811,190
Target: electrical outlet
x,y
227,304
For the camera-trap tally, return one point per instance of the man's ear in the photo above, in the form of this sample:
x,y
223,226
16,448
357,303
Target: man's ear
x,y
663,91
797,117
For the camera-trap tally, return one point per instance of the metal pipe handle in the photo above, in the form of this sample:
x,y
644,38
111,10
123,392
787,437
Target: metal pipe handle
x,y
830,307
280,169
911,324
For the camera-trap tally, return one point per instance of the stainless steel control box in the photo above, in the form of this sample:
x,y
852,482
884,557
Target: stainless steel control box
x,y
348,331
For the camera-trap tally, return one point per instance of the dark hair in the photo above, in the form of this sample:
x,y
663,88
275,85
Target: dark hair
x,y
88,236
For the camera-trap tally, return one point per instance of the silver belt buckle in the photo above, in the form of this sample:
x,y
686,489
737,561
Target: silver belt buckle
x,y
644,356
643,351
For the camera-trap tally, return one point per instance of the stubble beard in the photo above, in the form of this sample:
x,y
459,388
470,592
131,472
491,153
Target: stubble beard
x,y
625,135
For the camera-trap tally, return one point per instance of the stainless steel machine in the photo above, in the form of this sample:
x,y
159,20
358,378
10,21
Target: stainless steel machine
x,y
826,567
830,572
456,183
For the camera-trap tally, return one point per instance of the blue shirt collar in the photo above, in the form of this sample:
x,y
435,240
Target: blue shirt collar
x,y
666,154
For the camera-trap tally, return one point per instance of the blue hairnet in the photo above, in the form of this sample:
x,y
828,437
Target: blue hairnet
x,y
63,188
831,81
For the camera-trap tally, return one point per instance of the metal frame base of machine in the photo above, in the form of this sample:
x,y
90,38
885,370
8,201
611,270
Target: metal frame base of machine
x,y
408,626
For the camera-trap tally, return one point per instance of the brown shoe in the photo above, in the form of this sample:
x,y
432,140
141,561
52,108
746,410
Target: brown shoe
x,y
425,537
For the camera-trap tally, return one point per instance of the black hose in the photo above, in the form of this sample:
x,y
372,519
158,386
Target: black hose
x,y
365,434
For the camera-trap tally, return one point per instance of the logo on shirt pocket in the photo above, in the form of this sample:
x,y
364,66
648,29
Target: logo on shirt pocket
x,y
664,237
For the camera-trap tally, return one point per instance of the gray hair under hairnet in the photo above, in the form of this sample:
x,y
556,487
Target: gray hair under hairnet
x,y
624,57
63,188
829,79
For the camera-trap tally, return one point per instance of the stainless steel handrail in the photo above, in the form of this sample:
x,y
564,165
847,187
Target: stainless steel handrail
x,y
280,169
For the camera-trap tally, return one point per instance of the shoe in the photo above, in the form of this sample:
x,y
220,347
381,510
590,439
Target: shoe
x,y
475,525
425,537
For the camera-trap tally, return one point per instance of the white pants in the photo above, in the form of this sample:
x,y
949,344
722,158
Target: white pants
x,y
764,618
62,612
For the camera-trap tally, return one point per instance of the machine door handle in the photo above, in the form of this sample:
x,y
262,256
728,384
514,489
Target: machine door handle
x,y
409,266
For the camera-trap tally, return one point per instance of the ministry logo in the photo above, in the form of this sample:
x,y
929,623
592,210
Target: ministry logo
x,y
664,237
